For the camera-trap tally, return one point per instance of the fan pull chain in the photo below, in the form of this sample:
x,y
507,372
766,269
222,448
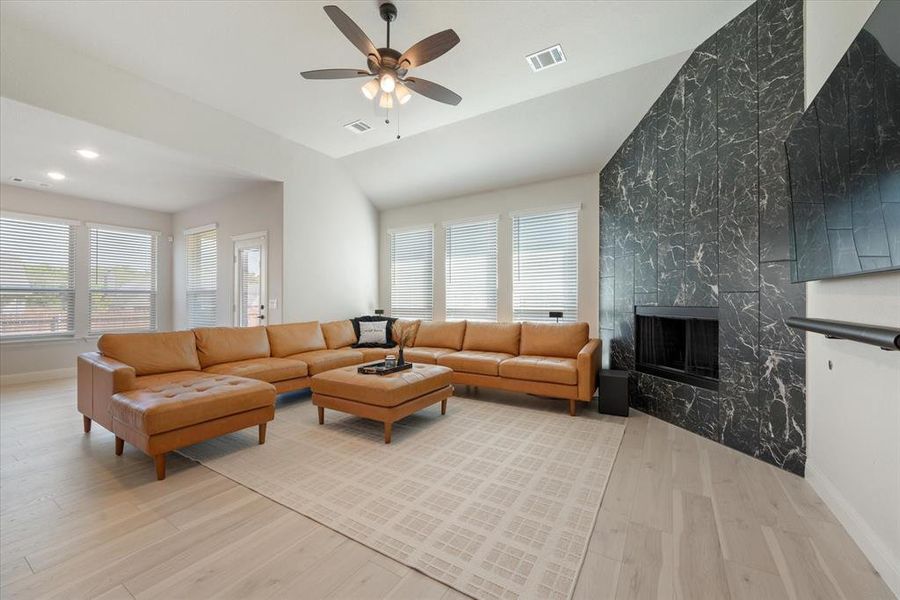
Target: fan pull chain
x,y
398,125
387,116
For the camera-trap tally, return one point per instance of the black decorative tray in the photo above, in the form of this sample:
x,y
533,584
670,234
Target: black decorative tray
x,y
380,369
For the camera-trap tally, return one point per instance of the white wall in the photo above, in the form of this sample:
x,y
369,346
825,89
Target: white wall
x,y
330,228
853,408
58,356
257,209
581,189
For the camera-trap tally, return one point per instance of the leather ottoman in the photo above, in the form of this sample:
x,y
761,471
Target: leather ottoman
x,y
385,398
172,415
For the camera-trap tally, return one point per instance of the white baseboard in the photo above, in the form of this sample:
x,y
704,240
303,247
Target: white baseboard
x,y
864,536
33,376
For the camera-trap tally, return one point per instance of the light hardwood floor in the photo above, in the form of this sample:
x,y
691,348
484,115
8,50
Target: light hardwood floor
x,y
682,518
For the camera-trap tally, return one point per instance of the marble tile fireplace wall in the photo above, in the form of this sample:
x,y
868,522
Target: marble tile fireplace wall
x,y
694,211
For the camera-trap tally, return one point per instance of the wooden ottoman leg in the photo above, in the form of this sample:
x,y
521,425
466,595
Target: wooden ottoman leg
x,y
160,461
87,423
120,446
444,406
387,432
262,433
321,415
572,407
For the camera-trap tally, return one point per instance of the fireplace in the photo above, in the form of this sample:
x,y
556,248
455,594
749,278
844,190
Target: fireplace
x,y
678,343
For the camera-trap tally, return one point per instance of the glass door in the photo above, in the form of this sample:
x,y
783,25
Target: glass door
x,y
250,280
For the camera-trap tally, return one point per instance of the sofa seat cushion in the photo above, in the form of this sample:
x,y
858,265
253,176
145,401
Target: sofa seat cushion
x,y
151,381
318,361
376,354
152,353
385,391
546,369
474,361
424,354
264,369
175,405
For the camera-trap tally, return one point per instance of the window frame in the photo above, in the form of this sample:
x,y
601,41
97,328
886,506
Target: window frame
x,y
474,221
212,227
547,211
408,230
153,292
71,290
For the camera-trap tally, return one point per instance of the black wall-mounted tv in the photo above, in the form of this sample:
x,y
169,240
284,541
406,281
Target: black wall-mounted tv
x,y
844,160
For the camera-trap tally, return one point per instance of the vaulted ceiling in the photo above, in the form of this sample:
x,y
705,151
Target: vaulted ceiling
x,y
244,58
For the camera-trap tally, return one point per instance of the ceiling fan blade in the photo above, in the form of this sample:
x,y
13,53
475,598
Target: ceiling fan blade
x,y
334,74
429,49
429,89
351,31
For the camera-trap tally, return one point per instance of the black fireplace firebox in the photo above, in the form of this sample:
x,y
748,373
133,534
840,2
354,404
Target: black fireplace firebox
x,y
678,343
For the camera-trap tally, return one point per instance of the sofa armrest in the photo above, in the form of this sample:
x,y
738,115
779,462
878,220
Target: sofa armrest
x,y
99,377
588,361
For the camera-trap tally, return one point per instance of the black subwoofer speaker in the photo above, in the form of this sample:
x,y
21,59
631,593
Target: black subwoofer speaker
x,y
612,390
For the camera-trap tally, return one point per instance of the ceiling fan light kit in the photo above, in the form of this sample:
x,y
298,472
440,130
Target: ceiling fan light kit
x,y
388,68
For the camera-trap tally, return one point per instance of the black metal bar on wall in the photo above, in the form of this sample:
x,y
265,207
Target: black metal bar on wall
x,y
695,211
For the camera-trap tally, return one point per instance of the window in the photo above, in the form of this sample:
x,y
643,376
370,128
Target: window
x,y
200,250
472,271
545,265
122,279
37,282
412,266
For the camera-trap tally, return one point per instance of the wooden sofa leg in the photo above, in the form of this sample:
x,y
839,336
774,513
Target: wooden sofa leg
x,y
321,415
87,423
120,446
387,432
262,433
444,406
160,462
572,407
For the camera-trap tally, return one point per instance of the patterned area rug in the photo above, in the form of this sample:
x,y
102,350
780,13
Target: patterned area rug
x,y
494,500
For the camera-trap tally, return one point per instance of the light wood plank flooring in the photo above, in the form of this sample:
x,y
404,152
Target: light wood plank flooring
x,y
682,518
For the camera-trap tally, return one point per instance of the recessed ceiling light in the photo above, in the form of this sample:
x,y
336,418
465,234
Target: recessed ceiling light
x,y
86,153
56,176
545,59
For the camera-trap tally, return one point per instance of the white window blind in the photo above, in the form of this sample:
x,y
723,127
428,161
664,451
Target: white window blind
x,y
412,270
201,253
545,265
37,282
122,279
471,272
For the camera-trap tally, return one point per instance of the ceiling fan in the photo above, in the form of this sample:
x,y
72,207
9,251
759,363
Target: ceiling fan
x,y
387,67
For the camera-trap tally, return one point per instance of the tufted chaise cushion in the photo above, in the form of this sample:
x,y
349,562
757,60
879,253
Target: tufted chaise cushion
x,y
170,406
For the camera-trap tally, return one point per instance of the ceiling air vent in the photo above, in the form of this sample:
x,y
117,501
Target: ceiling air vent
x,y
358,126
31,182
546,58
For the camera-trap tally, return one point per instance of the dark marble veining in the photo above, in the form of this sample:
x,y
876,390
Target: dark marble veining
x,y
696,209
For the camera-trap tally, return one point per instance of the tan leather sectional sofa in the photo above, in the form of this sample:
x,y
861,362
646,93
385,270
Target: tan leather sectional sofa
x,y
555,360
160,391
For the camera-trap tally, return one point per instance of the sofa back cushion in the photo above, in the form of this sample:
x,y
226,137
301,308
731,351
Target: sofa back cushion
x,y
400,325
435,334
152,353
564,340
339,334
294,338
492,337
217,345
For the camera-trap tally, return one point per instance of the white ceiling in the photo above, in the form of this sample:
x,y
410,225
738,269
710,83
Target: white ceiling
x,y
244,57
570,132
129,170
